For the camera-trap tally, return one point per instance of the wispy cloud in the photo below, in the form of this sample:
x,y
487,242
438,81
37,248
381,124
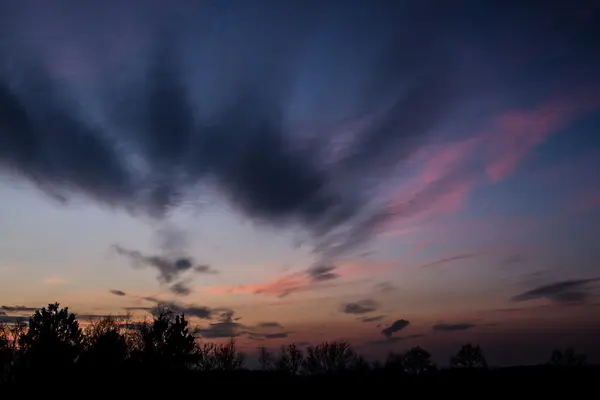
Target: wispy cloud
x,y
117,292
54,281
450,171
360,307
463,326
372,319
448,260
391,340
19,308
568,291
169,268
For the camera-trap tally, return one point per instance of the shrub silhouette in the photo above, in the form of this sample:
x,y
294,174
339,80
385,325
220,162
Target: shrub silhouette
x,y
53,338
469,356
567,358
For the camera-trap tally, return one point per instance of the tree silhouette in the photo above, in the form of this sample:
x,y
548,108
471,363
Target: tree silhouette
x,y
469,356
106,347
329,357
567,358
167,341
415,362
53,338
290,359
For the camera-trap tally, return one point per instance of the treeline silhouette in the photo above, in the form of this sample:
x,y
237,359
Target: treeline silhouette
x,y
53,345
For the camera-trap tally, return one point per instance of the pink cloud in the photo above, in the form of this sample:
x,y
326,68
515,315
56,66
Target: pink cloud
x,y
513,135
417,249
449,172
283,285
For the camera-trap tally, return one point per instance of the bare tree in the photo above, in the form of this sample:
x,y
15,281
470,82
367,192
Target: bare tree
x,y
266,359
290,359
329,357
227,358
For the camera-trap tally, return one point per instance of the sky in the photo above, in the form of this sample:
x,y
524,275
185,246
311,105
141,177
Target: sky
x,y
390,173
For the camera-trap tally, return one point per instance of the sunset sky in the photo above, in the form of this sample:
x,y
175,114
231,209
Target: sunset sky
x,y
391,173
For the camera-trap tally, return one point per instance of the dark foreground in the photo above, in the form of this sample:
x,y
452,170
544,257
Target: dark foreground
x,y
544,377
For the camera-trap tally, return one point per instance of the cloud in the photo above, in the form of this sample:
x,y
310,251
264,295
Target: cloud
x,y
417,249
314,278
95,317
225,327
19,308
55,281
514,259
320,273
384,287
269,325
199,124
360,307
13,318
169,268
447,260
156,150
372,319
568,291
397,326
118,292
450,170
180,289
392,340
453,327
267,336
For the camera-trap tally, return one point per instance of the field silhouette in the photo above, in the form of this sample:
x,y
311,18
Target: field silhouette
x,y
52,346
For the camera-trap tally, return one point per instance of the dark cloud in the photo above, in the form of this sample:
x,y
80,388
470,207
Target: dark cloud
x,y
150,299
384,287
225,327
19,308
177,119
13,318
397,326
180,289
2,313
269,325
232,133
95,317
465,256
514,259
392,340
372,319
118,292
138,308
320,273
169,268
569,291
360,307
191,310
453,327
267,336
